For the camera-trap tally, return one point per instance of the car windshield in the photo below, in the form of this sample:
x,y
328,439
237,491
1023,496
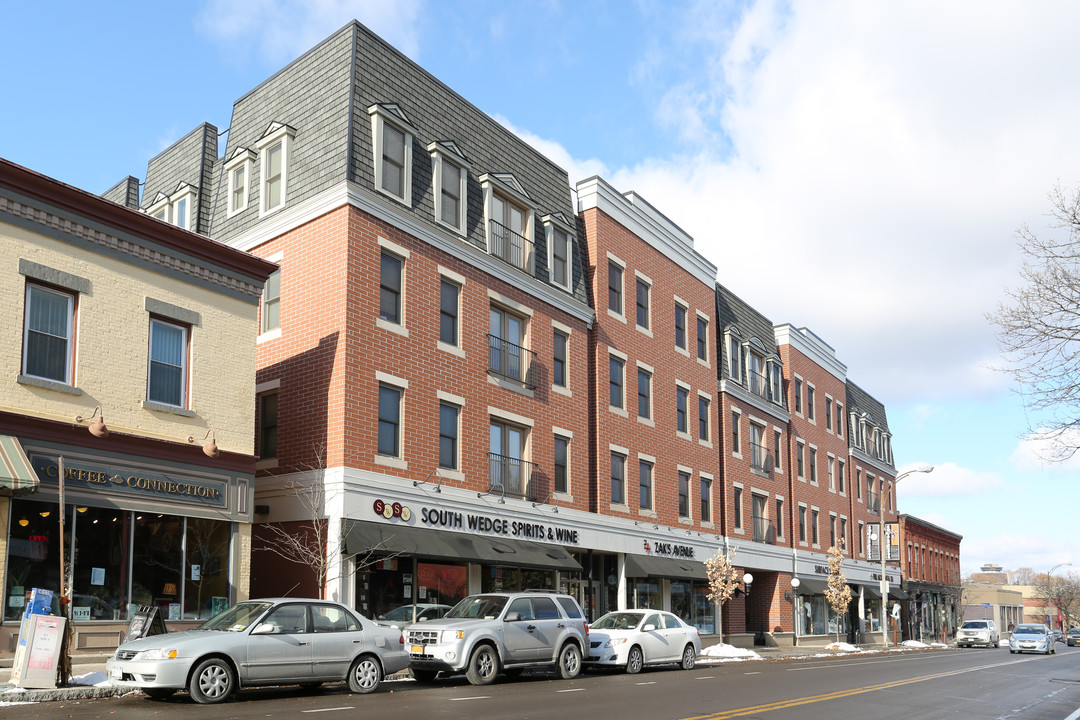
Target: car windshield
x,y
1029,630
1075,632
974,624
237,618
478,606
617,621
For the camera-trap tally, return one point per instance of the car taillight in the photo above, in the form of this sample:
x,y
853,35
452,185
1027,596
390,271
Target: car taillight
x,y
586,628
401,639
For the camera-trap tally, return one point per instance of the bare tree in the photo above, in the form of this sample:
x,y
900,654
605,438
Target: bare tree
x,y
722,575
1039,326
308,541
1022,576
838,592
1059,594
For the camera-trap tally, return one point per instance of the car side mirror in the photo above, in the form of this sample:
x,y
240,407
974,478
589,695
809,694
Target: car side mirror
x,y
513,616
263,629
648,628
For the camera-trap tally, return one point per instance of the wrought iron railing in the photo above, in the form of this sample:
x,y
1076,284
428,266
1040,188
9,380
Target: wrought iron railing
x,y
510,360
509,475
759,384
764,531
509,246
761,459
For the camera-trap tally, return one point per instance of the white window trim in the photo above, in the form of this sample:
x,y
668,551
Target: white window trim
x,y
401,384
688,518
490,185
185,368
621,317
800,472
379,116
567,435
736,509
69,354
706,442
690,397
705,361
441,154
551,223
798,389
808,407
170,204
687,330
651,419
622,411
811,463
284,134
568,332
246,158
647,331
777,464
712,506
459,280
737,451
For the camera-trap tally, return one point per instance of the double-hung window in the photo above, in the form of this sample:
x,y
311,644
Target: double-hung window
x,y
390,282
389,441
734,358
48,335
616,372
615,287
562,464
271,303
680,326
560,340
645,484
274,167
618,478
706,499
682,398
703,418
392,137
560,251
448,435
239,172
684,494
702,339
642,301
167,383
736,506
644,394
449,306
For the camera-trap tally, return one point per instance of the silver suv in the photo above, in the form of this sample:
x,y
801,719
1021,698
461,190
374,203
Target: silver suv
x,y
502,631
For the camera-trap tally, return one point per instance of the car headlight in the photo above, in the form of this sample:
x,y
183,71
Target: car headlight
x,y
451,635
158,654
613,642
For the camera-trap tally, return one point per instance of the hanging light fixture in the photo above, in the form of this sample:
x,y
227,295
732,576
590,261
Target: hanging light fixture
x,y
210,449
97,428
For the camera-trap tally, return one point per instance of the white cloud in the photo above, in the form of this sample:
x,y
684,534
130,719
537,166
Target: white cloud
x,y
947,480
576,168
1013,551
281,30
1048,451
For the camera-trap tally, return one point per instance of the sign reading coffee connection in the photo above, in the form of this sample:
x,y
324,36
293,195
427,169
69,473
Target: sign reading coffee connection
x,y
145,484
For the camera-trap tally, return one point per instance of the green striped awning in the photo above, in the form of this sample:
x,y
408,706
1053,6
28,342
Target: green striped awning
x,y
17,477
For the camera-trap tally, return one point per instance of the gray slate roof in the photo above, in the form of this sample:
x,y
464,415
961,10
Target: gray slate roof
x,y
860,401
733,310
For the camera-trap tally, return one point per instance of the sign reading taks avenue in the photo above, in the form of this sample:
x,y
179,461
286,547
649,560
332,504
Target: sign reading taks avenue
x,y
143,483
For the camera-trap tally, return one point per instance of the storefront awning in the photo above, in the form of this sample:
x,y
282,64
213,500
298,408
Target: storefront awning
x,y
17,477
649,566
811,587
896,593
384,539
871,591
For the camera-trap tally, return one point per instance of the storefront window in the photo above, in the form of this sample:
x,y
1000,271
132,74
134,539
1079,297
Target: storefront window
x,y
495,578
690,601
111,551
206,582
100,581
441,584
646,593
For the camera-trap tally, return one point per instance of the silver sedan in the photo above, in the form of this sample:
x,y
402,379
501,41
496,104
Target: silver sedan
x,y
282,641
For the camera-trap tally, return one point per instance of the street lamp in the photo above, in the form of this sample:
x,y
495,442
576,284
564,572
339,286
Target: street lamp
x,y
1050,587
881,544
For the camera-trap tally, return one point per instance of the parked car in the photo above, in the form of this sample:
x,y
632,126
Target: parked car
x,y
632,639
1057,635
1031,637
502,631
262,642
978,632
402,616
1072,637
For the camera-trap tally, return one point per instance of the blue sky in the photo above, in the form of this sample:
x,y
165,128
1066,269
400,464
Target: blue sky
x,y
856,168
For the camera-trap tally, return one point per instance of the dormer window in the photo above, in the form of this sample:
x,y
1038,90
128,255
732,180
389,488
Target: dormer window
x,y
509,212
274,167
178,208
734,356
392,136
238,171
450,177
560,250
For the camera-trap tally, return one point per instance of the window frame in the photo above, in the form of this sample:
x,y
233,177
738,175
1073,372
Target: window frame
x,y
559,359
736,508
71,298
396,422
642,307
283,135
682,409
553,228
704,418
443,154
616,385
616,294
455,438
683,493
702,338
264,426
398,292
243,160
646,483
618,480
681,340
383,115
266,301
705,499
644,393
564,440
453,317
184,367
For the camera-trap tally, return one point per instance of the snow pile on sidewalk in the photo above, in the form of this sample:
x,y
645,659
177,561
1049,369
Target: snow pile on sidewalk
x,y
843,647
721,652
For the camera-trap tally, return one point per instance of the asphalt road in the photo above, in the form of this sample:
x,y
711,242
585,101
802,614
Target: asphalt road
x,y
971,684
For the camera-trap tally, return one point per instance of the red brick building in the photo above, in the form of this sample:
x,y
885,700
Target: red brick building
x,y
930,556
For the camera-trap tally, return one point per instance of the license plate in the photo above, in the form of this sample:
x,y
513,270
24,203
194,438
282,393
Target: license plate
x,y
116,673
417,649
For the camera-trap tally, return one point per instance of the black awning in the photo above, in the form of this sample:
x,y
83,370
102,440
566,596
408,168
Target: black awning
x,y
871,591
385,539
897,593
650,566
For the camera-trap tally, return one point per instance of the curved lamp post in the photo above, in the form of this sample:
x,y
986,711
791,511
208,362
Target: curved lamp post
x,y
881,546
1050,587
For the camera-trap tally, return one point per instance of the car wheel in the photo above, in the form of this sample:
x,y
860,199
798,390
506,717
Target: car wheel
x,y
483,666
569,661
212,682
423,676
365,674
689,657
634,660
1011,651
158,693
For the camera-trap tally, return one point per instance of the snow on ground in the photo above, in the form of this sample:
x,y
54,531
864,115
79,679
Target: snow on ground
x,y
716,653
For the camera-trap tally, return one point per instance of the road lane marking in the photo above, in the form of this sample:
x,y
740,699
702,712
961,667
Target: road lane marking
x,y
837,695
329,709
753,673
571,690
652,682
473,697
713,677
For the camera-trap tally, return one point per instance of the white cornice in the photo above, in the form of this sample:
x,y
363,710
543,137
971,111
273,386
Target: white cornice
x,y
347,193
644,221
810,345
733,388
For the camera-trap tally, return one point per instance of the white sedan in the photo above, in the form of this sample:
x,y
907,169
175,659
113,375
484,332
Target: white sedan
x,y
633,639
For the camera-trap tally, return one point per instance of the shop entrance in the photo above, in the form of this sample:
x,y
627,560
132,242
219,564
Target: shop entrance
x,y
588,595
